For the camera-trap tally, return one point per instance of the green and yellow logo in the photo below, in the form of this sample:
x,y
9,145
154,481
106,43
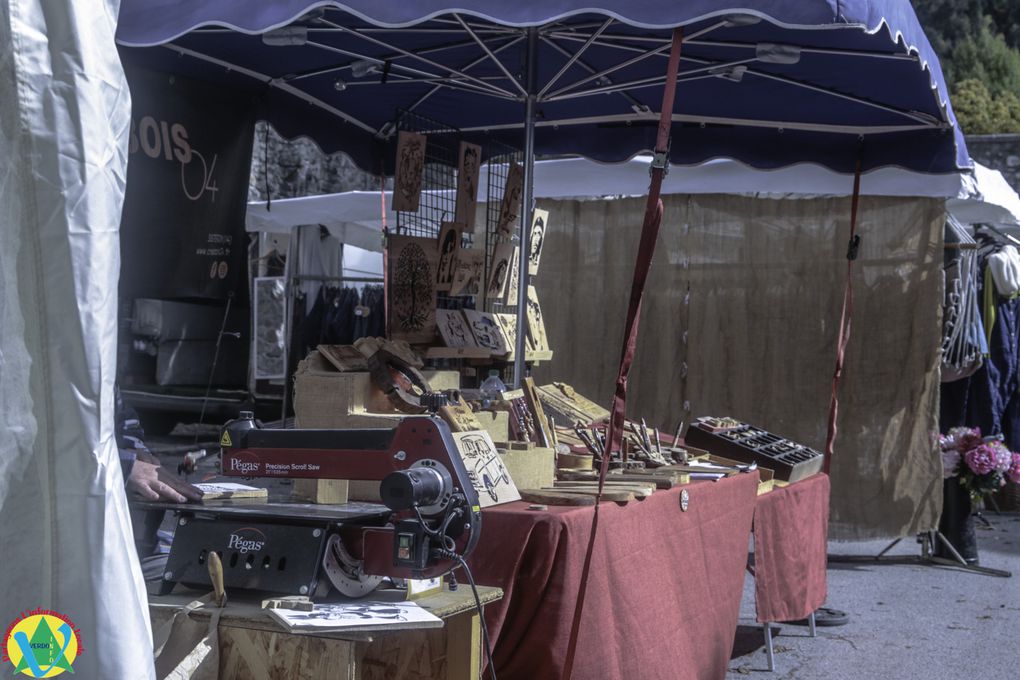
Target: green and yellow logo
x,y
41,644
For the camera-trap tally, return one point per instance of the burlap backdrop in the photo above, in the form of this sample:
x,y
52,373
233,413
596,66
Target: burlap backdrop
x,y
741,318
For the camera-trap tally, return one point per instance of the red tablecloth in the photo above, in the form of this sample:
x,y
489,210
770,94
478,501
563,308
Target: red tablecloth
x,y
790,532
663,597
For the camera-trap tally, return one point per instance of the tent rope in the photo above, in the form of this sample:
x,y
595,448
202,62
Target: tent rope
x,y
649,235
846,316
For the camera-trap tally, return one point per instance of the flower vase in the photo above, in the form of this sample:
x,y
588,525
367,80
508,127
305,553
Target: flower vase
x,y
957,522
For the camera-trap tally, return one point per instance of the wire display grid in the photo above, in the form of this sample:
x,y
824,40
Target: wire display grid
x,y
438,198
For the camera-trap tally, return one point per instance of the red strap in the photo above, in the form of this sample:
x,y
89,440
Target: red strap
x,y
649,234
845,318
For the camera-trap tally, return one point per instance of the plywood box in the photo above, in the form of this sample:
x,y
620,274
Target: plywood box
x,y
324,397
496,423
531,469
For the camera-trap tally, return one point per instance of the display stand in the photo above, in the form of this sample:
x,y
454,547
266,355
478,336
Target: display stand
x,y
927,557
246,633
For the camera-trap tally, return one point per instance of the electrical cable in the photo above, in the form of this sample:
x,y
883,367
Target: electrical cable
x,y
481,617
212,370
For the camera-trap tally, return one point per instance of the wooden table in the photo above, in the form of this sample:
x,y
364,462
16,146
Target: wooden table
x,y
252,644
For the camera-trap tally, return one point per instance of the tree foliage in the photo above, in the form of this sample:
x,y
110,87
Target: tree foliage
x,y
977,42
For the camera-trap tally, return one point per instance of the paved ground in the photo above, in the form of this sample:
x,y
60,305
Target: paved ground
x,y
907,621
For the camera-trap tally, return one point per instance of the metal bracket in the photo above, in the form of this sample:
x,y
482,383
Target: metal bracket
x,y
853,247
660,161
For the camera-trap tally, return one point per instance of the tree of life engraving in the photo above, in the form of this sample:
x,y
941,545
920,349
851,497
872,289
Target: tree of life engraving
x,y
412,289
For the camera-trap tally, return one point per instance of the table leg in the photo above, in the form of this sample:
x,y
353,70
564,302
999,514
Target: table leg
x,y
769,652
463,646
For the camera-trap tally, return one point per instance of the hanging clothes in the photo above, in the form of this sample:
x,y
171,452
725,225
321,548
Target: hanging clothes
x,y
990,398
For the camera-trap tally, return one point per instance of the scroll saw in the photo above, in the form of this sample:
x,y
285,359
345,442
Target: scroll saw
x,y
428,522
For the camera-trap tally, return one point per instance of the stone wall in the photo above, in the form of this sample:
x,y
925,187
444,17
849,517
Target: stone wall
x,y
999,152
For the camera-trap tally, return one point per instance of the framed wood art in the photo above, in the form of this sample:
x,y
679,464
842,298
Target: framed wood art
x,y
454,328
485,468
467,272
513,281
536,323
510,207
411,288
409,168
499,272
487,331
538,226
449,246
468,165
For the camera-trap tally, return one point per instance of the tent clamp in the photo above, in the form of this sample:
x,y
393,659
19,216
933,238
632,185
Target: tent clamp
x,y
853,247
660,161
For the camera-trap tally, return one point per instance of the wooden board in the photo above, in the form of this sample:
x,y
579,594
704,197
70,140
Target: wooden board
x,y
411,288
537,338
485,468
638,489
467,272
321,491
660,482
508,324
460,417
448,246
499,271
609,494
454,329
469,163
513,280
265,655
344,357
563,401
539,224
542,430
557,497
458,352
409,167
510,206
487,331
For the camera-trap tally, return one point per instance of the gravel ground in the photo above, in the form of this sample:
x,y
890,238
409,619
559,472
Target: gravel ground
x,y
906,620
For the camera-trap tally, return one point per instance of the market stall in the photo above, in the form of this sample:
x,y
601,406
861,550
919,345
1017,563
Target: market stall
x,y
768,55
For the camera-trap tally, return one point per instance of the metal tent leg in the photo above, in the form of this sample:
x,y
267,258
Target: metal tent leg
x,y
527,207
811,623
769,651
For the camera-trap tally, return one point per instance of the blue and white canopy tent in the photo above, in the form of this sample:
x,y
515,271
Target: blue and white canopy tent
x,y
766,83
770,83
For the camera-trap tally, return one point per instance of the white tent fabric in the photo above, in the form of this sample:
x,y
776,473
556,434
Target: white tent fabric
x,y
356,217
576,178
986,198
64,527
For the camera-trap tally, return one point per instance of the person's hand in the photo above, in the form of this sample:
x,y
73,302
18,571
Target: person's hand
x,y
151,482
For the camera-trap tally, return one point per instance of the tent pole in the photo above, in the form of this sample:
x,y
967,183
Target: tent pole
x,y
528,204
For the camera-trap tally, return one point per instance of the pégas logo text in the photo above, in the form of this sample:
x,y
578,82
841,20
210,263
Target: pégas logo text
x,y
246,540
245,466
158,138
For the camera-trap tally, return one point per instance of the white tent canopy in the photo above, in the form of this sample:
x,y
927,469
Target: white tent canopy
x,y
356,218
986,198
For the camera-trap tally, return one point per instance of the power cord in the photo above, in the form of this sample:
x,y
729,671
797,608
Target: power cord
x,y
481,617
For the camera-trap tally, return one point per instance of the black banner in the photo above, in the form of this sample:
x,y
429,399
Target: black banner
x,y
182,229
